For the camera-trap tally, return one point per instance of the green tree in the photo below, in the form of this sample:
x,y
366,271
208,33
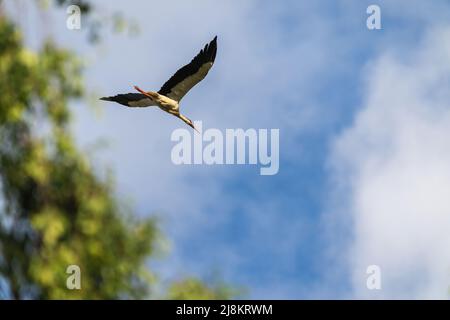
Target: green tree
x,y
194,289
54,210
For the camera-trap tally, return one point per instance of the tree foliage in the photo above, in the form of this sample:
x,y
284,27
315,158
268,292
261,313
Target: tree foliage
x,y
194,289
54,210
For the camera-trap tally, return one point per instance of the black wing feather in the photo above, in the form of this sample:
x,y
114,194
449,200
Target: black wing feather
x,y
206,55
125,98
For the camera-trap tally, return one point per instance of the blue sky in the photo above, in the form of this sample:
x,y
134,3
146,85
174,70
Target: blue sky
x,y
344,99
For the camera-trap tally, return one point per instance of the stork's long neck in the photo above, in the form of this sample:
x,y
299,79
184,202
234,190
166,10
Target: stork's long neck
x,y
184,118
187,121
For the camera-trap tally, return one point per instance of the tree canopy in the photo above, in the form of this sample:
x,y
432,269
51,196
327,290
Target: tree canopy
x,y
55,211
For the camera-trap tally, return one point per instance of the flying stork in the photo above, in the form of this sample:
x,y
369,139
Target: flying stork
x,y
170,94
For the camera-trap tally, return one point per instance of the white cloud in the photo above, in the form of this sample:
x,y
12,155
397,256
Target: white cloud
x,y
394,163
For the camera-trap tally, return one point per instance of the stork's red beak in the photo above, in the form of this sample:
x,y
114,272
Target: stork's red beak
x,y
192,125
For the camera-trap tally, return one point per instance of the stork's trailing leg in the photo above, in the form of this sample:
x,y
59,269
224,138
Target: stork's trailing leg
x,y
151,95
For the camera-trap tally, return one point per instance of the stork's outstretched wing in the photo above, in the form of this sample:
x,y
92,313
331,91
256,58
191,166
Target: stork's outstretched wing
x,y
191,74
131,100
